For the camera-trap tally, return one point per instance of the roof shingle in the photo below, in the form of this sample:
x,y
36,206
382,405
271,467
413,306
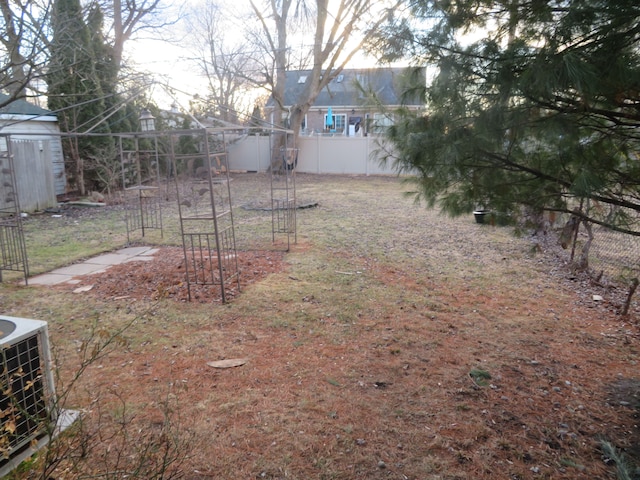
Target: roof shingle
x,y
22,107
352,88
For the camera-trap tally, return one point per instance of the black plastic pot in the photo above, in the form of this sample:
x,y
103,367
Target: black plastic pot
x,y
480,215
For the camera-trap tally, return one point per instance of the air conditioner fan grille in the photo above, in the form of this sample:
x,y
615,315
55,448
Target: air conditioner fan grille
x,y
23,412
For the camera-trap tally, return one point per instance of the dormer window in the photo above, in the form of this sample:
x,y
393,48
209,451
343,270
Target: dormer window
x,y
302,79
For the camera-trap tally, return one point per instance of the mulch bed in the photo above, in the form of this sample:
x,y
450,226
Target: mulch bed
x,y
164,277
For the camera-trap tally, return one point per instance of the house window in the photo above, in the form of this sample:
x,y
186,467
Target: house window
x,y
381,121
338,121
302,79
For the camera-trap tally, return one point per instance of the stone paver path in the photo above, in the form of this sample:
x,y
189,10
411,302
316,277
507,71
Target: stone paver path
x,y
93,266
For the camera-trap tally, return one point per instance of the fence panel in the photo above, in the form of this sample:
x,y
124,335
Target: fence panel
x,y
317,154
613,255
251,154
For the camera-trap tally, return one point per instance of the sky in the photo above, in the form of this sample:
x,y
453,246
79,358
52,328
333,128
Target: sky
x,y
167,62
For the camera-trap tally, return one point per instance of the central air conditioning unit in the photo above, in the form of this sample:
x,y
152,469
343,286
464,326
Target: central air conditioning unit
x,y
27,391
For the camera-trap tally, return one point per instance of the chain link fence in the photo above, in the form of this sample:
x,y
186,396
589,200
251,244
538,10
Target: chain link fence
x,y
614,255
611,257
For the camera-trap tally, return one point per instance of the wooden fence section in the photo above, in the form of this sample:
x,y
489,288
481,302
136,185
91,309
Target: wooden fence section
x,y
33,169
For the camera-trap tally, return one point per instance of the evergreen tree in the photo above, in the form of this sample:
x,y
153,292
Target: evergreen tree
x,y
74,87
106,70
187,144
541,112
256,122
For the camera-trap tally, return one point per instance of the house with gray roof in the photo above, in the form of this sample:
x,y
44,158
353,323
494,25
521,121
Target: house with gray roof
x,y
357,102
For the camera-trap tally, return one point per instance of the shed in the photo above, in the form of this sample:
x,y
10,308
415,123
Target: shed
x,y
36,146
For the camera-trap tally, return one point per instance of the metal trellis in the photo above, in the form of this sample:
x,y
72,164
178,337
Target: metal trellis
x,y
141,180
283,196
13,252
206,215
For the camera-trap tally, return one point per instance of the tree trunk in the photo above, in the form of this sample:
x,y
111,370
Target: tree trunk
x,y
632,290
17,79
78,165
583,261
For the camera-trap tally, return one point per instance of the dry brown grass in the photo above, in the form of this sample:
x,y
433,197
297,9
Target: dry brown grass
x,y
360,347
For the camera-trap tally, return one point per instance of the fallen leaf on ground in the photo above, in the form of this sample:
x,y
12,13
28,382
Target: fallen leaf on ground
x,y
85,288
229,363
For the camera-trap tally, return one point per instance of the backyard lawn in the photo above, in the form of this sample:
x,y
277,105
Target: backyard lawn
x,y
389,342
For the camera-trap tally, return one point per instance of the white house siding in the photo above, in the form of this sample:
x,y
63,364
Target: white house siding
x,y
317,154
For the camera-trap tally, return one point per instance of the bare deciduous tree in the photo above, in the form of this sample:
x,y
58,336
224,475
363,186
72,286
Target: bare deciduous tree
x,y
228,68
23,46
338,30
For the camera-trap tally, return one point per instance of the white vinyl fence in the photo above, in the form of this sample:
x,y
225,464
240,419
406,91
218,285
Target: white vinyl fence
x,y
317,154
